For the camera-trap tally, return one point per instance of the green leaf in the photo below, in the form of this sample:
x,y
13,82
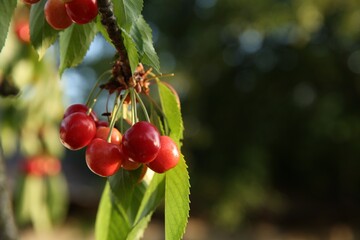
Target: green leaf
x,y
41,33
169,104
123,184
151,199
141,33
7,9
110,222
177,191
177,185
127,12
131,50
57,197
74,43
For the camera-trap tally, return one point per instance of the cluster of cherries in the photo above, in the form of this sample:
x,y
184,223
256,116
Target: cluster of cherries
x,y
41,165
60,14
108,150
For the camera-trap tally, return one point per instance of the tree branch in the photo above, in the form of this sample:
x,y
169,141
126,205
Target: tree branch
x,y
8,230
108,19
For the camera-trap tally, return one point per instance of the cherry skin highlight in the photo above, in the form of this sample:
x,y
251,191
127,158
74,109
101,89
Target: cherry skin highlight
x,y
141,142
81,11
103,158
77,130
55,14
168,156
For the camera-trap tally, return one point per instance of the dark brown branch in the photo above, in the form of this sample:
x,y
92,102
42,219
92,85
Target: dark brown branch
x,y
8,230
108,19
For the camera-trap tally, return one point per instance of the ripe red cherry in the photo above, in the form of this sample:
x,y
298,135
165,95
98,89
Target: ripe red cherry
x,y
130,165
81,11
102,124
127,163
103,158
33,166
168,156
77,130
103,132
30,1
51,165
55,14
22,30
79,108
141,142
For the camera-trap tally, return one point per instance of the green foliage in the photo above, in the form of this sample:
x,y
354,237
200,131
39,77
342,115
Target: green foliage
x,y
41,201
118,203
127,203
74,43
177,186
177,191
108,216
7,9
136,32
171,109
131,50
127,12
142,35
126,208
41,33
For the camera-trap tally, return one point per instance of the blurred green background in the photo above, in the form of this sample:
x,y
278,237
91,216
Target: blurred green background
x,y
270,95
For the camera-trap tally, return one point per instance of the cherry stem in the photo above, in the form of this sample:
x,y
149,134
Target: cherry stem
x,y
133,105
160,76
116,113
96,85
142,106
93,102
107,106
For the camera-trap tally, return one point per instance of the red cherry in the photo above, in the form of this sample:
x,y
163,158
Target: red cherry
x,y
77,130
30,1
33,166
168,156
102,124
103,158
127,163
55,14
141,142
81,11
103,132
51,165
79,108
22,30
